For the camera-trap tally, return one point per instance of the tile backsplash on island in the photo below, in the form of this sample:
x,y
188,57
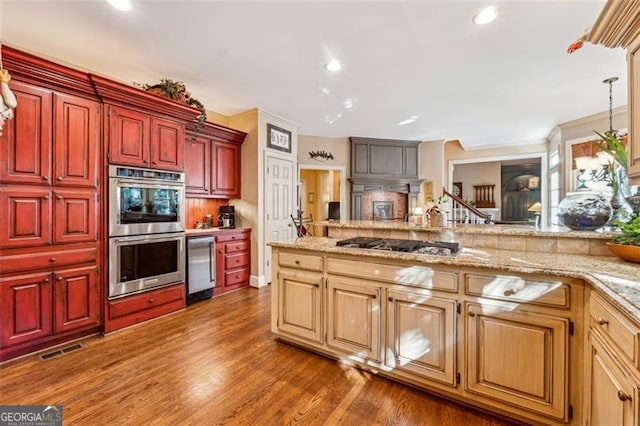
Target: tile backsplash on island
x,y
198,207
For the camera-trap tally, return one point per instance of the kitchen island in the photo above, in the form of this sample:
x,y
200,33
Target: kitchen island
x,y
519,332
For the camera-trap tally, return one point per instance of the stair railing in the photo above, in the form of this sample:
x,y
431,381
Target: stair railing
x,y
463,212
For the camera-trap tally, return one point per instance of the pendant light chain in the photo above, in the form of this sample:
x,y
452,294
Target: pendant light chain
x,y
610,82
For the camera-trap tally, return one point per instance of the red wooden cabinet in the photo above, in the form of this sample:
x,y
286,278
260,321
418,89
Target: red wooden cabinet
x,y
167,145
75,216
233,260
76,136
213,161
197,165
129,133
25,147
225,173
76,299
139,139
25,215
26,308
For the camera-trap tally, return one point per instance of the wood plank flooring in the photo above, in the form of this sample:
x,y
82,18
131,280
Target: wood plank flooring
x,y
217,363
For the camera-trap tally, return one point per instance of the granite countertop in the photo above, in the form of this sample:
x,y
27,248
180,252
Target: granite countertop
x,y
613,277
465,228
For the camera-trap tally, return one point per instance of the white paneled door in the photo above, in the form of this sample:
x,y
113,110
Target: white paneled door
x,y
279,196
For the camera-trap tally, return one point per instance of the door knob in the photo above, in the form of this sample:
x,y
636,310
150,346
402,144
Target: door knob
x,y
622,396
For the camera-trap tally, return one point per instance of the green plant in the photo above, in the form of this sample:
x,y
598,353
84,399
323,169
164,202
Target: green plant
x,y
630,232
176,91
610,142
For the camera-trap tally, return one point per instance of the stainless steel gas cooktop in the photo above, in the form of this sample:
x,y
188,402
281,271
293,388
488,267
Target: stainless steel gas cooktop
x,y
440,248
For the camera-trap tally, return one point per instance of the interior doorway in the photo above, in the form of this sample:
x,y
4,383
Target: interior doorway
x,y
322,187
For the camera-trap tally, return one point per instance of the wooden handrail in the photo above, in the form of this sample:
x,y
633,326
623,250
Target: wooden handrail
x,y
472,209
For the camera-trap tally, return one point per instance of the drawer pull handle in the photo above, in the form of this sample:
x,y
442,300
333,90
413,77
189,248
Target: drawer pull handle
x,y
151,300
59,197
602,321
316,285
510,292
46,197
237,277
59,278
390,299
622,396
45,177
297,262
374,296
46,280
53,259
59,178
472,314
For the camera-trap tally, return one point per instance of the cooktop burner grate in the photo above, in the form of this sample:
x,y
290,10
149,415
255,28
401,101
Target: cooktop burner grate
x,y
442,248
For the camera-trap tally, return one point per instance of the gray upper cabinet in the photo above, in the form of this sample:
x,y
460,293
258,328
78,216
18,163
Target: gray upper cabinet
x,y
384,158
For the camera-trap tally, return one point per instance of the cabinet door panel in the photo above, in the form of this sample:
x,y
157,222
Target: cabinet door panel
x,y
26,308
25,217
77,300
354,318
25,147
225,173
167,145
421,335
299,299
76,216
633,63
518,358
76,132
606,382
197,166
128,137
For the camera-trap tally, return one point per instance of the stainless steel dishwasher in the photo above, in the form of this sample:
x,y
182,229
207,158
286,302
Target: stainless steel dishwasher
x,y
201,268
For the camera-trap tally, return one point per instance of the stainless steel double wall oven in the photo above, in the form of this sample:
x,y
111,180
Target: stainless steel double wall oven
x,y
146,229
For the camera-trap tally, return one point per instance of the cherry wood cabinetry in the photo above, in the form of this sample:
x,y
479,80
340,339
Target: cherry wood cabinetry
x,y
132,310
49,215
213,161
143,129
233,260
138,139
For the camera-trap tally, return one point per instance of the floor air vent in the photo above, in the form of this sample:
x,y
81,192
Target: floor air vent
x,y
60,351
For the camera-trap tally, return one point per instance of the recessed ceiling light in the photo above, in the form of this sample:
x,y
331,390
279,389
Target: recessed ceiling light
x,y
123,5
324,90
333,65
350,103
408,120
486,15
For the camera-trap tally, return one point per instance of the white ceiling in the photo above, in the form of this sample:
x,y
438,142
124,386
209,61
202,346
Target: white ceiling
x,y
506,83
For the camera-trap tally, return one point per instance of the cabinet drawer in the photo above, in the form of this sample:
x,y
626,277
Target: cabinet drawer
x,y
148,300
615,326
413,275
518,289
233,261
47,259
301,261
237,236
236,276
239,246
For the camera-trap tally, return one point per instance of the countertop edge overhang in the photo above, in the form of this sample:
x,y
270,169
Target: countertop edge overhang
x,y
616,279
522,230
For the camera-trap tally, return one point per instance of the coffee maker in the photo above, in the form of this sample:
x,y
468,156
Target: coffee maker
x,y
226,217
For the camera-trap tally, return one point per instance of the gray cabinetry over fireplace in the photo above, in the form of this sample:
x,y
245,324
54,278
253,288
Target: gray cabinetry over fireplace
x,y
384,158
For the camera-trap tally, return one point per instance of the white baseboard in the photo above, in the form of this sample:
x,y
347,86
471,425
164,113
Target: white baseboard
x,y
257,281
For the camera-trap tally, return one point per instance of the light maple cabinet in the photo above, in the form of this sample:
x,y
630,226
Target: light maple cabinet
x,y
633,61
421,335
613,379
518,358
354,317
213,161
300,304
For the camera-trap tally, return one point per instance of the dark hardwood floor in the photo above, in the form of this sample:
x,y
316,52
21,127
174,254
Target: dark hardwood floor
x,y
217,363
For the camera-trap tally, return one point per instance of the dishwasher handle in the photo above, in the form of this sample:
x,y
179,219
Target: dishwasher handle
x,y
212,262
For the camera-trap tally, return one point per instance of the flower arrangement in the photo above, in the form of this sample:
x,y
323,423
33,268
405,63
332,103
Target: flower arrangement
x,y
439,205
